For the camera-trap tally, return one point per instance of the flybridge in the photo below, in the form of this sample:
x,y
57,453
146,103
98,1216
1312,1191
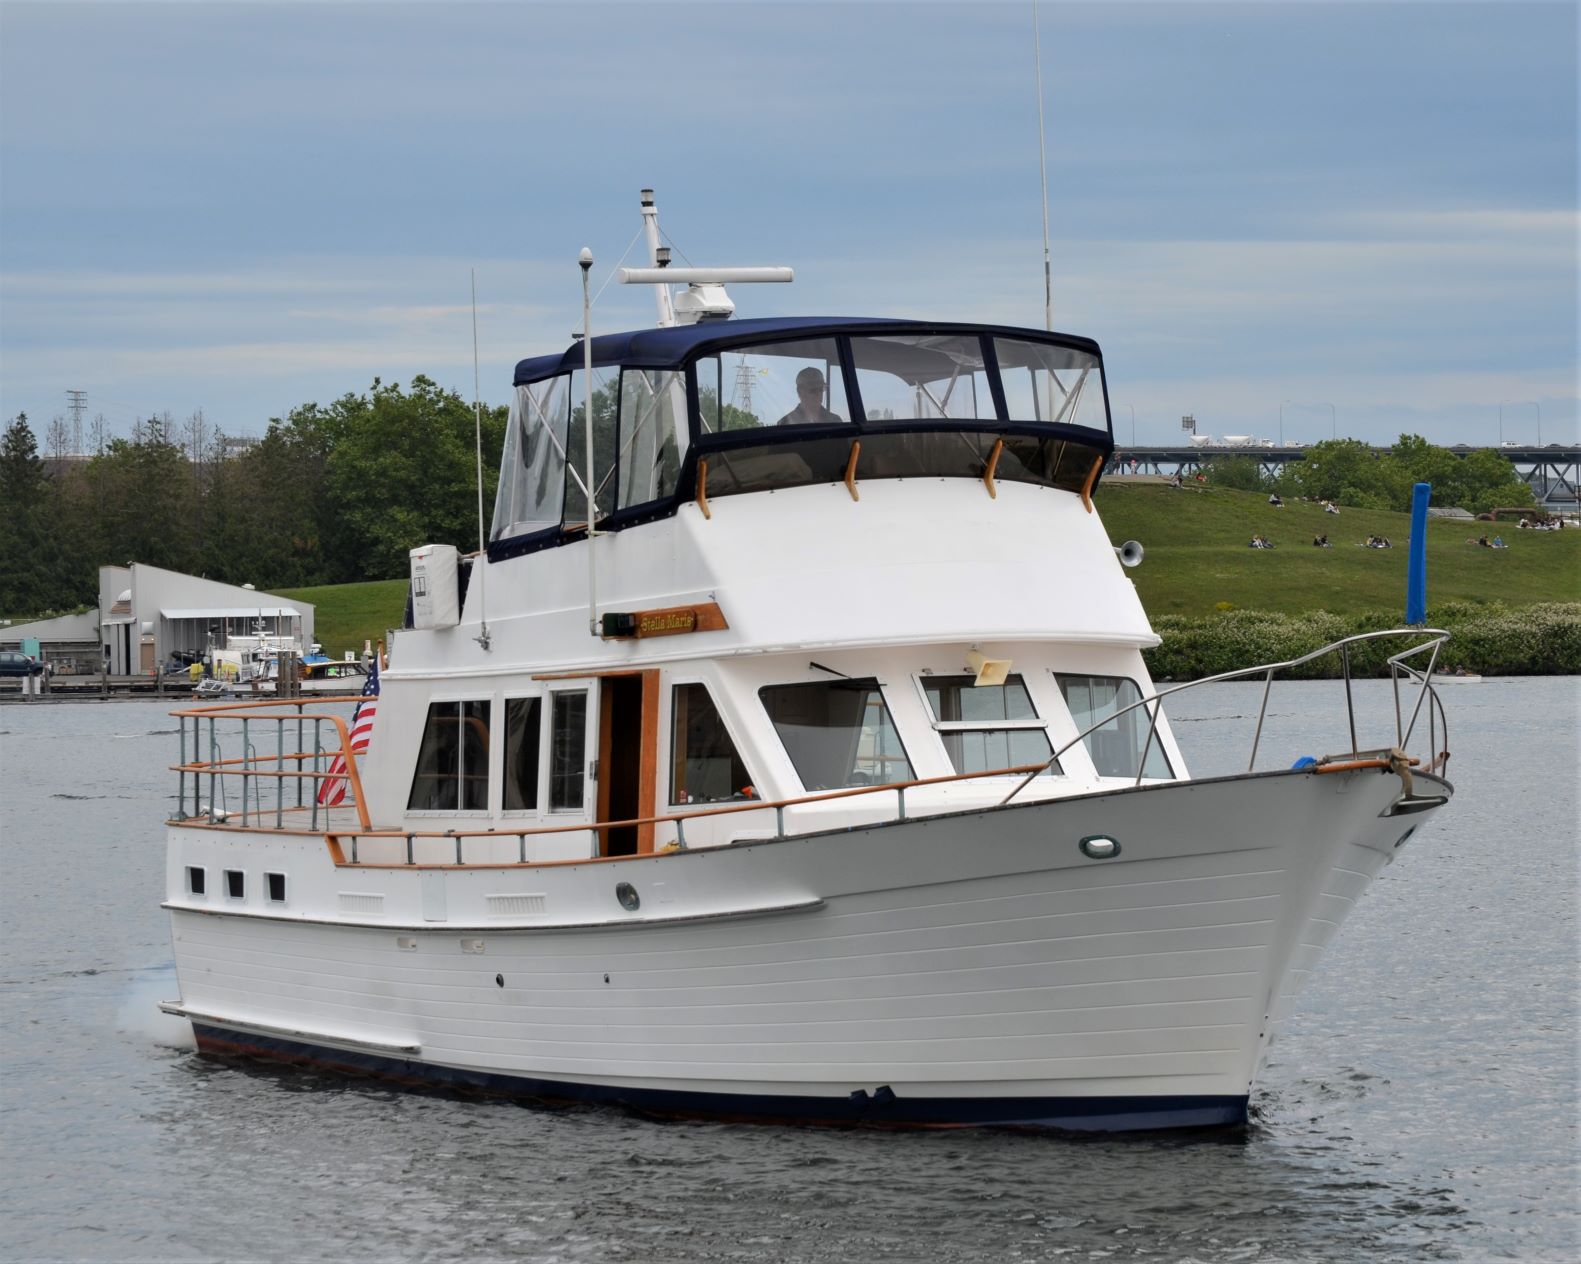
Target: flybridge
x,y
721,408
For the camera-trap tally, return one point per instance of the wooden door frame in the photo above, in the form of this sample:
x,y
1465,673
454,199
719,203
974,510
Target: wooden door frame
x,y
647,758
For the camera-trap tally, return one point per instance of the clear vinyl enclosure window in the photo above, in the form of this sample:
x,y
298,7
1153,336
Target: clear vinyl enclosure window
x,y
523,721
652,435
928,377
606,409
1051,384
568,751
985,727
1116,747
837,733
706,768
532,469
781,384
452,772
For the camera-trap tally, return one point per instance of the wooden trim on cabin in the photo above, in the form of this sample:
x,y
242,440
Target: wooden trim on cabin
x,y
850,469
702,487
993,464
648,767
1092,477
606,735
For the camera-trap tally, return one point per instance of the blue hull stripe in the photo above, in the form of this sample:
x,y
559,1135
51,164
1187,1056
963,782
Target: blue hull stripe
x,y
864,1108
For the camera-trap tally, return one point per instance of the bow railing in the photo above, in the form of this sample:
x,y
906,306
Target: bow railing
x,y
1398,668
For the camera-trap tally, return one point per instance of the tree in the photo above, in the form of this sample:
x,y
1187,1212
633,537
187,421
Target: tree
x,y
400,471
25,555
1243,473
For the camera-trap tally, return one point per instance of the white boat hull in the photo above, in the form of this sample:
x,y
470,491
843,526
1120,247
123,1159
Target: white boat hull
x,y
974,968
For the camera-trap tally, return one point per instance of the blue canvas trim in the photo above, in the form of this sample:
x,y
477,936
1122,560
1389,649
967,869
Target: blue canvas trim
x,y
871,1106
672,347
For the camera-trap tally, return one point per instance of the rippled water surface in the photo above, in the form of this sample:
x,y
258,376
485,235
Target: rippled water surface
x,y
1421,1104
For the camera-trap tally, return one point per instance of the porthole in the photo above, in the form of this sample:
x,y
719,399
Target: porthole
x,y
1099,847
628,897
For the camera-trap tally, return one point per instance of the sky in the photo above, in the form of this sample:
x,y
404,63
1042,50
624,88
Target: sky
x,y
1287,220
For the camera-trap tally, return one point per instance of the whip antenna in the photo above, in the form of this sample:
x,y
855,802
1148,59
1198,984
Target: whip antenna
x,y
1043,176
482,564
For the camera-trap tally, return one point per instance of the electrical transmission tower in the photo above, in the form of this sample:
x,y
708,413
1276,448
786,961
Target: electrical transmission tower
x,y
79,401
744,376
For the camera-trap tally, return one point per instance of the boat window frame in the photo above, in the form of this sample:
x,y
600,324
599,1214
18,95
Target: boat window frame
x,y
540,776
672,754
880,687
1039,723
487,699
1130,717
588,782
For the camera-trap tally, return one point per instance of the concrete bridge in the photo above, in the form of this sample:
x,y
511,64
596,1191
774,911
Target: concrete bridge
x,y
1552,472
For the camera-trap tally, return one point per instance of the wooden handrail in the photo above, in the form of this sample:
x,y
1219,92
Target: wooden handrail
x,y
756,805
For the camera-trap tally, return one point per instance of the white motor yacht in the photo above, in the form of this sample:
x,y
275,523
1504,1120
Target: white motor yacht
x,y
793,759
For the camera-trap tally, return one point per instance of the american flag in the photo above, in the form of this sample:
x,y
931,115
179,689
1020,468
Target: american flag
x,y
332,790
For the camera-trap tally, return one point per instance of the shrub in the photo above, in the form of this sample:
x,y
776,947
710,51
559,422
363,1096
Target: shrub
x,y
1488,638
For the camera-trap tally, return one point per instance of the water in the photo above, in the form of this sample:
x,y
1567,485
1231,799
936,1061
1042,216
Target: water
x,y
1422,1104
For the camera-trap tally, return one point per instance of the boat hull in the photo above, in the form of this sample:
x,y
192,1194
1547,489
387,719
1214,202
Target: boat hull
x,y
973,968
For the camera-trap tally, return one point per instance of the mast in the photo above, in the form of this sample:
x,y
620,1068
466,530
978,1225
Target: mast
x,y
650,228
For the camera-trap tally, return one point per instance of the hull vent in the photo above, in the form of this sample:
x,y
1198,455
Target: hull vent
x,y
361,904
523,904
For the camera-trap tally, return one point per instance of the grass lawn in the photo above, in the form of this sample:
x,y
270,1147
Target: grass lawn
x,y
1197,556
345,615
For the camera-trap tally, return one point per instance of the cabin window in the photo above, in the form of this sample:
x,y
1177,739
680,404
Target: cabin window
x,y
928,377
781,384
453,762
606,403
706,767
236,884
521,753
276,884
1116,747
652,434
985,727
568,751
1051,384
532,470
197,880
837,733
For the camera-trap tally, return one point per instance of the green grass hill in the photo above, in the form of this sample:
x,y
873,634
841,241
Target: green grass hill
x,y
346,615
1198,557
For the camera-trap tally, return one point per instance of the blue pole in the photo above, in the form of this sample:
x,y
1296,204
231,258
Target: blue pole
x,y
1416,564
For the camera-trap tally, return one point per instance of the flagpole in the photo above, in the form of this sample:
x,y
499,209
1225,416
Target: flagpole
x,y
585,259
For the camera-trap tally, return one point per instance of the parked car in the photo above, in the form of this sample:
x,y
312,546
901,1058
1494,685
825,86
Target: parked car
x,y
16,663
